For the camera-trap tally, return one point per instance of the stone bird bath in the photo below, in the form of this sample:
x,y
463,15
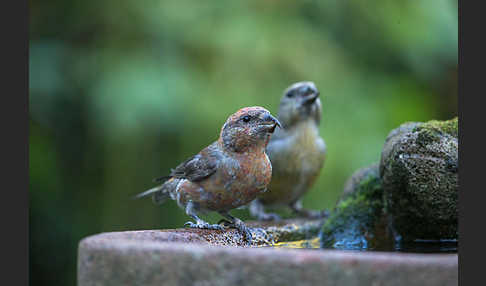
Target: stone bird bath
x,y
209,257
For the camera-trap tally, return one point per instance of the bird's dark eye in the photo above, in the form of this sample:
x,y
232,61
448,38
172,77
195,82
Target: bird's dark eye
x,y
290,94
246,118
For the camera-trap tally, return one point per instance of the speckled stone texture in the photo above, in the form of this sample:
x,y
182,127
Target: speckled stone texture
x,y
188,257
419,170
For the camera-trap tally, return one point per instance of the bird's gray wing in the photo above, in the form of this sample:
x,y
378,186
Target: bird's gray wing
x,y
200,166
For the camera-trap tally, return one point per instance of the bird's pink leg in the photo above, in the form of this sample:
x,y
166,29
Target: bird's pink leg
x,y
191,211
249,233
238,224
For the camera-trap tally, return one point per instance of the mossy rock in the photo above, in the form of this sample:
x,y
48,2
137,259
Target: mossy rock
x,y
419,168
358,220
356,180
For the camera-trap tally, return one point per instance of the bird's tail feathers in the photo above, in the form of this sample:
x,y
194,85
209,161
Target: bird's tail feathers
x,y
160,179
159,194
148,192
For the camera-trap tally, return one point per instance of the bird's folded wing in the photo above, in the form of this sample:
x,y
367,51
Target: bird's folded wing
x,y
198,167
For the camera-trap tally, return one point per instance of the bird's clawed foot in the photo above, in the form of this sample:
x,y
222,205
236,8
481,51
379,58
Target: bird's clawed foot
x,y
203,225
191,210
253,235
243,229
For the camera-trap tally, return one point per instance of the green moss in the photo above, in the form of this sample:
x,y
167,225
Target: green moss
x,y
436,127
358,218
419,174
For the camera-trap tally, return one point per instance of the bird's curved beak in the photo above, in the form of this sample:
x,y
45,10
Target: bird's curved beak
x,y
310,98
271,121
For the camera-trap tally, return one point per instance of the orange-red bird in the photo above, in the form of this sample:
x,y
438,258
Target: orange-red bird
x,y
227,174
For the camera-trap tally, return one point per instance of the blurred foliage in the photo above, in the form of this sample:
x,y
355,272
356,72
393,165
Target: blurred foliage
x,y
121,91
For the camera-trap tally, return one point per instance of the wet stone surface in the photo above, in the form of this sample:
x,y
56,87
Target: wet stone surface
x,y
407,202
412,192
359,222
209,257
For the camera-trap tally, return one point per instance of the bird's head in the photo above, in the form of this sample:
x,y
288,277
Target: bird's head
x,y
248,128
300,102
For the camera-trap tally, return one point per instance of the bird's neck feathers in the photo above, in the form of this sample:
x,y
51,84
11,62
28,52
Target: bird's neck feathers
x,y
305,132
297,120
309,124
242,144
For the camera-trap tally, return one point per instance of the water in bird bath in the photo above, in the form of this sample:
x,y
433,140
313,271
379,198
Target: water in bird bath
x,y
419,246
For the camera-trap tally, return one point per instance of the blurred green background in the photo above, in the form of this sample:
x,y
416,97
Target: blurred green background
x,y
121,91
